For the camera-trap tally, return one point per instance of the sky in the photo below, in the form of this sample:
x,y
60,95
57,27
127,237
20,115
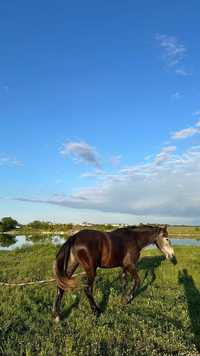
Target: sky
x,y
100,111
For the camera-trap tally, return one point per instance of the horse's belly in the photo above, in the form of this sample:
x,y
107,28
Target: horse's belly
x,y
111,265
110,260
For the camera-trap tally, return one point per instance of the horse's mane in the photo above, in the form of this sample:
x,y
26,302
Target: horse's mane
x,y
140,228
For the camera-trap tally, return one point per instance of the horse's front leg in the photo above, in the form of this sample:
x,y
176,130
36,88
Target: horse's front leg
x,y
124,279
57,303
134,273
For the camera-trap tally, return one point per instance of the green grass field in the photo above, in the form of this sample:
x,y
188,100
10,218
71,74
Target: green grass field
x,y
184,232
164,318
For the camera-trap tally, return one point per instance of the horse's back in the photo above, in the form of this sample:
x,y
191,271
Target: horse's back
x,y
102,249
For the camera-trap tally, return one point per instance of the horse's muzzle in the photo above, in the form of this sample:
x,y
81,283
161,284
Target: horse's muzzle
x,y
174,260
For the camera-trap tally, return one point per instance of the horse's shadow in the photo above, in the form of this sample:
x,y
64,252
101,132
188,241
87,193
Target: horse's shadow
x,y
147,264
192,295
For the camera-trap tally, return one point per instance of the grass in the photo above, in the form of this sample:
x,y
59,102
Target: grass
x,y
184,232
164,318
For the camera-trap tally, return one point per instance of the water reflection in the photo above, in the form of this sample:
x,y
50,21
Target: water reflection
x,y
10,242
7,240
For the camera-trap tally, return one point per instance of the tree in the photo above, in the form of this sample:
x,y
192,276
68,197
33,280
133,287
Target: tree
x,y
36,224
7,223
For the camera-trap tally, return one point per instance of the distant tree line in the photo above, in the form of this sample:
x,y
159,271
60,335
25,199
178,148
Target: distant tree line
x,y
35,227
7,223
47,226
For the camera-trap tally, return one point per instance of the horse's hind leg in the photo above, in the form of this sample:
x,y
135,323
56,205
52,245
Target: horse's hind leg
x,y
124,279
89,291
72,266
57,303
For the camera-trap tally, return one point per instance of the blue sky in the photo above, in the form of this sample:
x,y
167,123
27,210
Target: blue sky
x,y
100,111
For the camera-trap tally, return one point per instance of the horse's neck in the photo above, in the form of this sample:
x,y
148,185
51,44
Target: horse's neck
x,y
145,240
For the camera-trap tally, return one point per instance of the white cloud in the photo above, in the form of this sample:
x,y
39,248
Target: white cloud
x,y
169,192
196,113
81,151
161,157
174,51
169,149
97,173
164,188
190,131
115,160
6,160
164,155
182,72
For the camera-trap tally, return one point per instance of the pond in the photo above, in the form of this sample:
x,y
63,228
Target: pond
x,y
10,242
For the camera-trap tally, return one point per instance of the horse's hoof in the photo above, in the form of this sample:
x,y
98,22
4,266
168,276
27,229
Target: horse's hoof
x,y
57,319
125,301
97,312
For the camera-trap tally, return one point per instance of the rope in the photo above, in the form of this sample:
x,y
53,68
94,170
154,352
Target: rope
x,y
7,284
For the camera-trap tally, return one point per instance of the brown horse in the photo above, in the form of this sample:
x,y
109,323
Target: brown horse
x,y
119,248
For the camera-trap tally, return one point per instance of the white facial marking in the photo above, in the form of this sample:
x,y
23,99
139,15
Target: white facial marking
x,y
164,245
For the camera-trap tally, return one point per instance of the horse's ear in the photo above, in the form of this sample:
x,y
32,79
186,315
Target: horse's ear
x,y
164,227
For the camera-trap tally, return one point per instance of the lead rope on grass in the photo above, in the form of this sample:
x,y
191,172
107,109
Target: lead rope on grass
x,y
7,284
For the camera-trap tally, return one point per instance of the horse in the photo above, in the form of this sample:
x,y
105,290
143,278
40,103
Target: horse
x,y
91,249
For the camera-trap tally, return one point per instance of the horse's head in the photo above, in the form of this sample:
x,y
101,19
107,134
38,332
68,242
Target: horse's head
x,y
163,243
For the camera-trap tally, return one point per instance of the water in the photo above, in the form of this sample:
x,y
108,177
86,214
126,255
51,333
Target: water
x,y
10,242
181,242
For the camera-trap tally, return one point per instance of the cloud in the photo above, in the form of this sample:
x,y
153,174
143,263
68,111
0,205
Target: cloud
x,y
174,53
189,132
169,191
163,188
161,157
97,173
6,160
177,95
183,72
169,149
196,113
164,155
115,160
81,151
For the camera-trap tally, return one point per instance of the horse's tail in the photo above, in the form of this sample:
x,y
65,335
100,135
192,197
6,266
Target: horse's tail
x,y
60,266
